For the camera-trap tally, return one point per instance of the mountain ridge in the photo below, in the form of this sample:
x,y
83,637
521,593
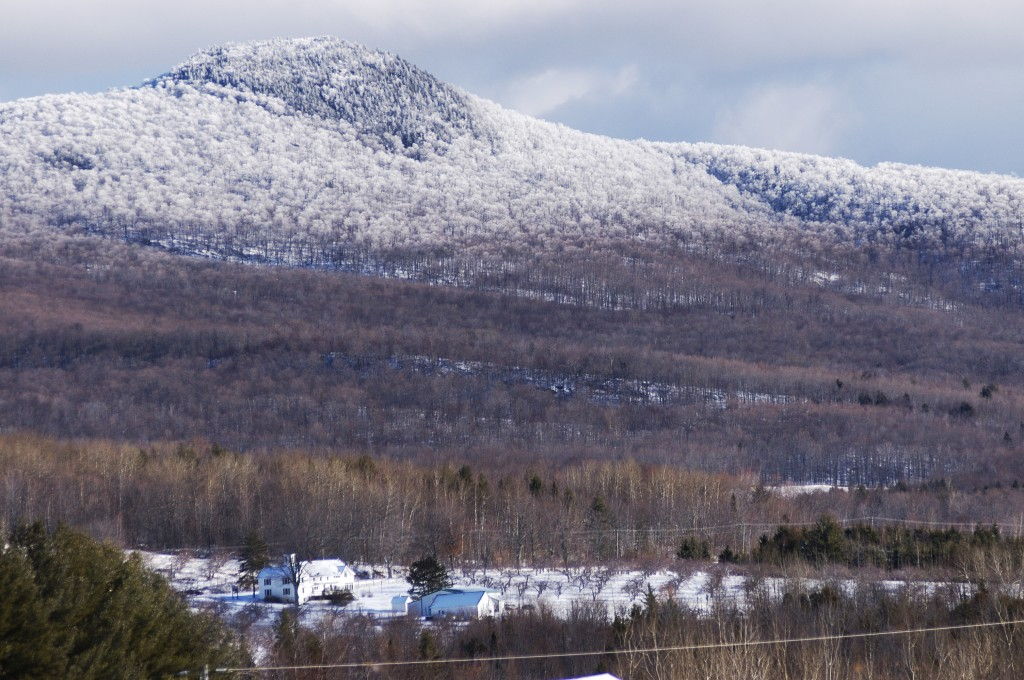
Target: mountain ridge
x,y
289,150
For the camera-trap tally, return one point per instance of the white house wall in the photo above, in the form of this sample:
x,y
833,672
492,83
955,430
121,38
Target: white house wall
x,y
315,585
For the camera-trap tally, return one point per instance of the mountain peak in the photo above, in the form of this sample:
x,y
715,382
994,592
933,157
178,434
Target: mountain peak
x,y
377,92
287,150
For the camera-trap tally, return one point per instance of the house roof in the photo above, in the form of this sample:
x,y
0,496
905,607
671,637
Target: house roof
x,y
455,598
325,569
312,569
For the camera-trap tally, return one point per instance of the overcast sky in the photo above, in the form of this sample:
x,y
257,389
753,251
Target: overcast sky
x,y
937,82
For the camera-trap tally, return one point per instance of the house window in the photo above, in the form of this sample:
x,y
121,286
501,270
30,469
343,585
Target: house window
x,y
287,591
266,581
267,593
285,581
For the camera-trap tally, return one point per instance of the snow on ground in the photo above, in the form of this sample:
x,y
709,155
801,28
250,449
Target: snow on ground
x,y
790,490
209,581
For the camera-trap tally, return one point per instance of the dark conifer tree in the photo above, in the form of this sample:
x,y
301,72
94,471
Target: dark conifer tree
x,y
426,576
96,613
254,557
28,646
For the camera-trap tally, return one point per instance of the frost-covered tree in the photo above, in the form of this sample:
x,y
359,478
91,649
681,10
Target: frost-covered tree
x,y
298,151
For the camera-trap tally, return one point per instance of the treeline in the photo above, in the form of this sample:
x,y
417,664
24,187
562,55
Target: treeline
x,y
886,547
748,363
383,511
723,643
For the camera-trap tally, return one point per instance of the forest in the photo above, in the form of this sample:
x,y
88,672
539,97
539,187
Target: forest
x,y
889,370
371,510
595,410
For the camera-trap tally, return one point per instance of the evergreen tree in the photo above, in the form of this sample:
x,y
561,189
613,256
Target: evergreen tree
x,y
294,644
536,485
426,576
428,646
286,635
650,603
96,613
28,646
692,548
824,542
254,557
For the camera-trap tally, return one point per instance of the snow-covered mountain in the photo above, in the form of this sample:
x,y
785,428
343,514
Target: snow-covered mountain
x,y
288,150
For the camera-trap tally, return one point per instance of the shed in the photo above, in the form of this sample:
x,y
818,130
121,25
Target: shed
x,y
463,604
400,604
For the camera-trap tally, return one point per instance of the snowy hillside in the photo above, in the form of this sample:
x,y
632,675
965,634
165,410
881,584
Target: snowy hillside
x,y
292,151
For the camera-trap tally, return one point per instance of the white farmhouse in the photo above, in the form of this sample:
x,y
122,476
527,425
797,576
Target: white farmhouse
x,y
317,578
462,604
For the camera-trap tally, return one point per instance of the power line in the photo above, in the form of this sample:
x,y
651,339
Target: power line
x,y
623,652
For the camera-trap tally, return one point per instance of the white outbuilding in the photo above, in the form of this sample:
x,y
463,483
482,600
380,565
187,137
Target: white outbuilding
x,y
316,578
457,603
400,604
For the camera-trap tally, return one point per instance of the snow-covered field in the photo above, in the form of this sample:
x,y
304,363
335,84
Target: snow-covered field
x,y
210,582
791,490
